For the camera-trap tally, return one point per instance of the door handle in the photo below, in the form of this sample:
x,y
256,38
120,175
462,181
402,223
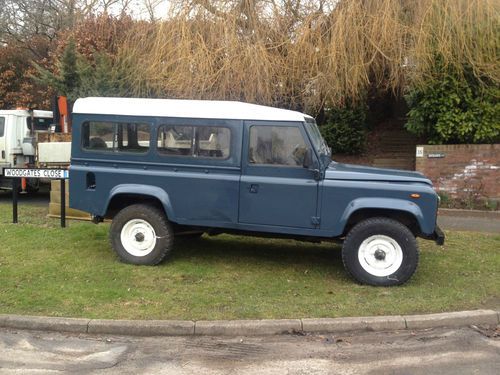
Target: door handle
x,y
254,188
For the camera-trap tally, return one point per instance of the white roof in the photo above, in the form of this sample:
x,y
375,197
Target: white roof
x,y
38,113
212,109
25,112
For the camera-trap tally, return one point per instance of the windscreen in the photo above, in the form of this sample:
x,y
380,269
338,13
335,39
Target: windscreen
x,y
316,137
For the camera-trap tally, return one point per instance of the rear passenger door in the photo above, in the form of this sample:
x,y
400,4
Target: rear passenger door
x,y
275,188
201,169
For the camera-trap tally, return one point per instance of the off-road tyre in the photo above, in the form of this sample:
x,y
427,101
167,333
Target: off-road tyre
x,y
145,221
375,235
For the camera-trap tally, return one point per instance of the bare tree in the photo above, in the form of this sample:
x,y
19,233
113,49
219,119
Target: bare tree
x,y
24,20
151,8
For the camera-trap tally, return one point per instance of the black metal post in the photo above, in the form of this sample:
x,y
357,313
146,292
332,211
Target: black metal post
x,y
15,196
63,203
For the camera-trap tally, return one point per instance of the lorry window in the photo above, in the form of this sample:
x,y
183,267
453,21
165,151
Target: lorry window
x,y
196,141
115,137
276,145
41,123
2,126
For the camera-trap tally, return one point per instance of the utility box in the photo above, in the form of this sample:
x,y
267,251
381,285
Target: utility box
x,y
55,203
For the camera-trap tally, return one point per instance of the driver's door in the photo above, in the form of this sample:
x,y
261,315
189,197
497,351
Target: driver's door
x,y
276,189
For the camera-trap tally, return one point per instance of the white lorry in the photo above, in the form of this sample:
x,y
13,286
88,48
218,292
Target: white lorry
x,y
29,139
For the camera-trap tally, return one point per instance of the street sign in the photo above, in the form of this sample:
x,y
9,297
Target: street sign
x,y
19,174
436,155
55,174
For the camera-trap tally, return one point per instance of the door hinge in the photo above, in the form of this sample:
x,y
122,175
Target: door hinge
x,y
315,220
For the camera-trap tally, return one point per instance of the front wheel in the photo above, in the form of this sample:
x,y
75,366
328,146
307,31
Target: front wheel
x,y
141,234
380,252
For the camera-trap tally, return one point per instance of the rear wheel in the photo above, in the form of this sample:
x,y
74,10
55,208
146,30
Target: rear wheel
x,y
141,234
380,252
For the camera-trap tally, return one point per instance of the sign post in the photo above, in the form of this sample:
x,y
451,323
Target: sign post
x,y
63,203
53,174
15,196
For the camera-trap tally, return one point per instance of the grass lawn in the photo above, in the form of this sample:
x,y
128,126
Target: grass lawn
x,y
46,270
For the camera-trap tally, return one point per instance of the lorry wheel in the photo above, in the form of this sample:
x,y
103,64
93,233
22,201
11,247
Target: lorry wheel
x,y
380,252
141,234
33,186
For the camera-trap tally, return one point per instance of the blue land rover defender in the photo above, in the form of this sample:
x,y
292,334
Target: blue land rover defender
x,y
161,169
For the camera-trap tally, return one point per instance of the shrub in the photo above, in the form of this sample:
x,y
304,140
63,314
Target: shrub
x,y
345,129
455,109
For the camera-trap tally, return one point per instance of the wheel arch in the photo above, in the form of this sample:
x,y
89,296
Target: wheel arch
x,y
125,195
405,212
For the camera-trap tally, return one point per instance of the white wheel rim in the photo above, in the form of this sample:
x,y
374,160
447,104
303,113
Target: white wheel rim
x,y
138,237
380,255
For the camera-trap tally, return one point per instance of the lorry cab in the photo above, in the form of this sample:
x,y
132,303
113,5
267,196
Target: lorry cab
x,y
161,169
17,129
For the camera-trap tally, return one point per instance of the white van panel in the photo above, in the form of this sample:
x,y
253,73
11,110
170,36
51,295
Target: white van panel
x,y
54,152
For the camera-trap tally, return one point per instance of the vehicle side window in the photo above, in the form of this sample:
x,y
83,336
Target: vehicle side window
x,y
116,137
175,140
276,145
2,126
213,141
196,141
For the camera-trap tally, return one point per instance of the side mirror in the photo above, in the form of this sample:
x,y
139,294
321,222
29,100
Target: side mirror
x,y
308,159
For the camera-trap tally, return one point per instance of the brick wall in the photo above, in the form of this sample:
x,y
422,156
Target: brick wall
x,y
460,170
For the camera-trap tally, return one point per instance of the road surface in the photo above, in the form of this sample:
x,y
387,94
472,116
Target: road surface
x,y
472,224
41,198
438,351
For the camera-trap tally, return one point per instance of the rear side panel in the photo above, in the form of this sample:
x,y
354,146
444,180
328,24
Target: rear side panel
x,y
192,190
